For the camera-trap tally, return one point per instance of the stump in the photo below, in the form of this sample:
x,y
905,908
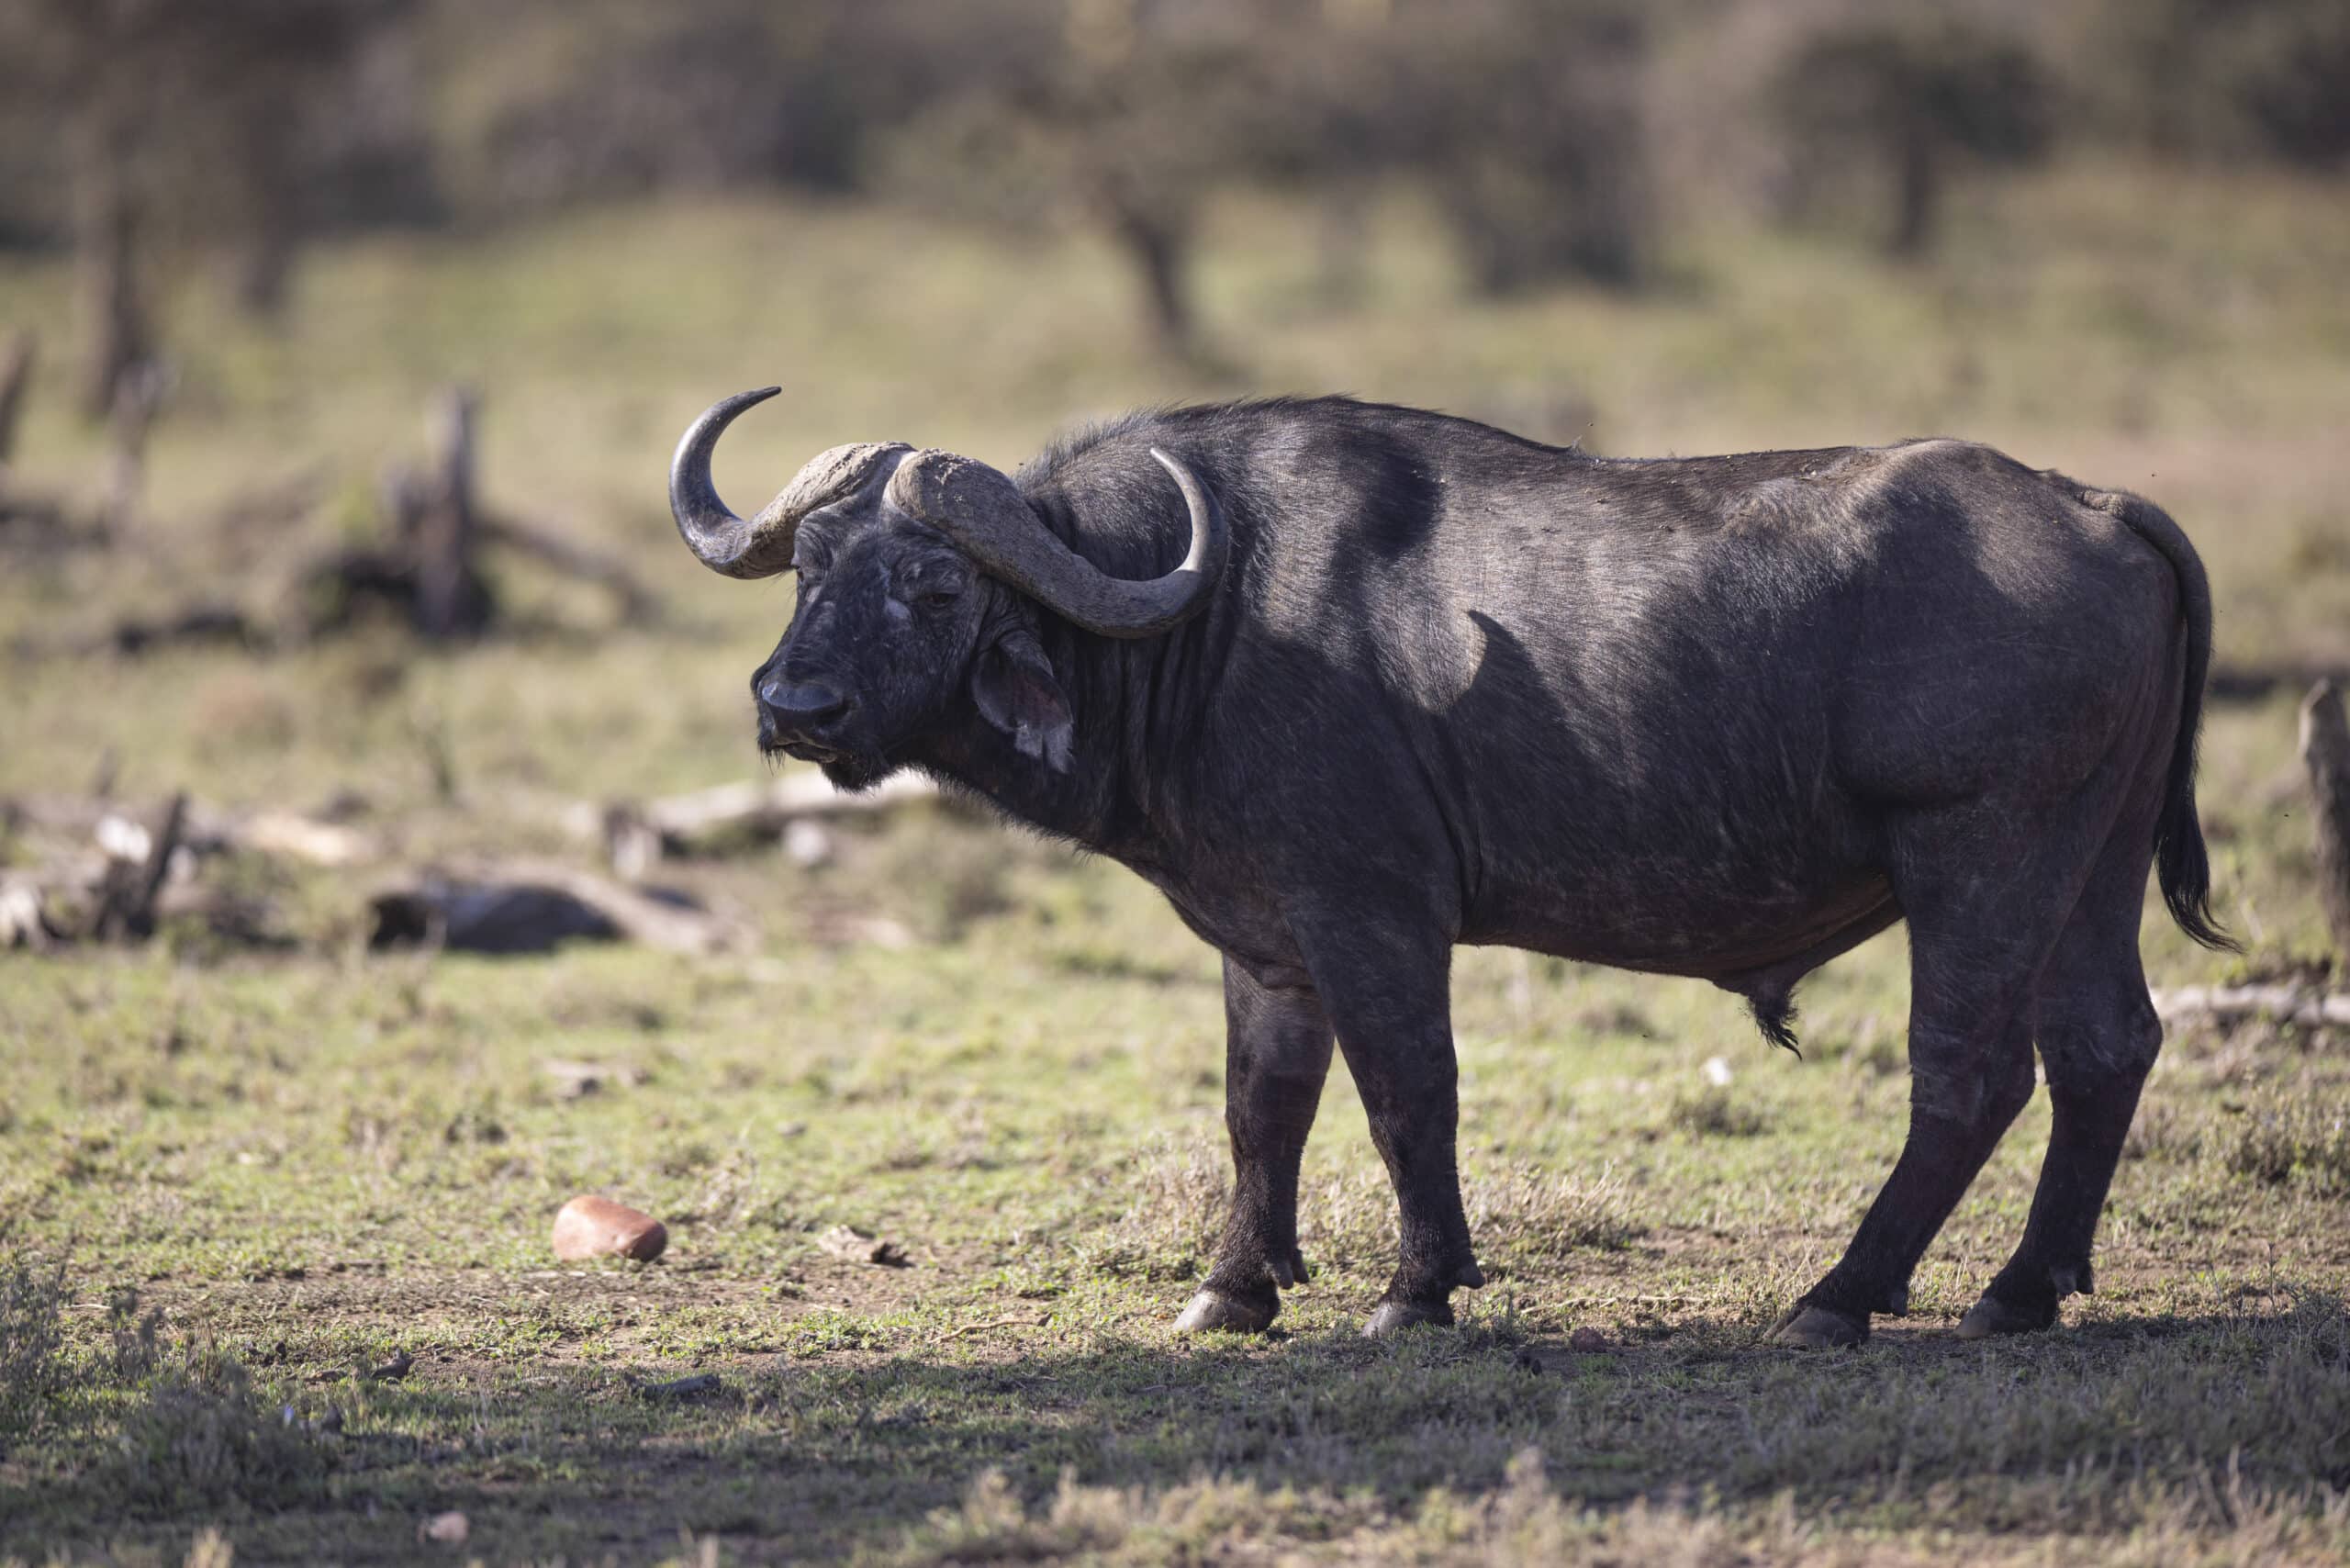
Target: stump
x,y
2325,752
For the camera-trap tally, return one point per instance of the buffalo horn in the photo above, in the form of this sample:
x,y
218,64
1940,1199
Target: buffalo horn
x,y
758,547
989,520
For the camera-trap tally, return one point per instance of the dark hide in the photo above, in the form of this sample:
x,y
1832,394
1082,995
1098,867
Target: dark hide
x,y
1722,717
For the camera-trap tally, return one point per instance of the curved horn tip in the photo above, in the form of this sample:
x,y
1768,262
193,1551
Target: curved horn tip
x,y
709,526
1207,519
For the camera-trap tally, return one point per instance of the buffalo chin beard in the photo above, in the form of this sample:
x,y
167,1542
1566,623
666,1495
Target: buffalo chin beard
x,y
851,771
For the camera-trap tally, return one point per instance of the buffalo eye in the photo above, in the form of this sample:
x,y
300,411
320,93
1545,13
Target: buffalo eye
x,y
938,597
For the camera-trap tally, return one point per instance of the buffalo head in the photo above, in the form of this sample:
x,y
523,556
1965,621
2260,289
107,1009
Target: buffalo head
x,y
921,578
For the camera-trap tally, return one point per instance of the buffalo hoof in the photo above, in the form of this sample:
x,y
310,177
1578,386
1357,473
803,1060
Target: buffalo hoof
x,y
1214,1309
1817,1329
1392,1316
1991,1319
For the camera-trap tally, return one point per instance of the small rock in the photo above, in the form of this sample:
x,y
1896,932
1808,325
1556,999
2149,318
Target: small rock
x,y
450,1528
590,1226
393,1369
858,1248
1586,1341
1717,1071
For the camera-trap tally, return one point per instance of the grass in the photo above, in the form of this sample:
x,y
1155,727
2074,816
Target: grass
x,y
231,1184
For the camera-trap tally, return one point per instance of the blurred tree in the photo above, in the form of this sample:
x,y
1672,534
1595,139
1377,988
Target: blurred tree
x,y
1521,115
179,117
1118,114
1914,101
540,103
2261,78
1528,127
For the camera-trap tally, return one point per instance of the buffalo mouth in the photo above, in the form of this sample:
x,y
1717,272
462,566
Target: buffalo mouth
x,y
803,750
847,770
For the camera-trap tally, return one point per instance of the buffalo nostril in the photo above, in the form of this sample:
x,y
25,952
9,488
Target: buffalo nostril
x,y
797,704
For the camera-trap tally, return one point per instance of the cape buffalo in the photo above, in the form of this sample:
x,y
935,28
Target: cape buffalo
x,y
1351,684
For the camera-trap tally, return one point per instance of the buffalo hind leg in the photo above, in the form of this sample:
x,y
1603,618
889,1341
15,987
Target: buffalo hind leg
x,y
1277,1054
1964,1092
1981,927
1387,993
2098,1038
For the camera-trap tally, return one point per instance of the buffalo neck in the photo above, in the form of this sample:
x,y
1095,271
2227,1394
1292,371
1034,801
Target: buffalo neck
x,y
1106,800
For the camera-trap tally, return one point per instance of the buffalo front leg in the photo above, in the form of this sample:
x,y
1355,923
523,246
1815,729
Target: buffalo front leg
x,y
1277,1054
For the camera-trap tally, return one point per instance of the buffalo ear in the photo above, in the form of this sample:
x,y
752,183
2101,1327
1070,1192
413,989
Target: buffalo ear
x,y
1014,685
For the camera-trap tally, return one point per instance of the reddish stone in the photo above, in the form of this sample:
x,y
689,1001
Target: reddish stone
x,y
590,1226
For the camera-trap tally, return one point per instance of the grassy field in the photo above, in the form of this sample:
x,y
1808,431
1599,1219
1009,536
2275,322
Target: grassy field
x,y
232,1183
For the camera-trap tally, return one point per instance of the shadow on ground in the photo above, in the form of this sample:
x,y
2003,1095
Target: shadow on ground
x,y
1305,1436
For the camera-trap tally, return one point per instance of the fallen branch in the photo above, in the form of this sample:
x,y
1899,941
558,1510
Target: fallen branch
x,y
2279,1004
109,877
636,837
196,624
637,603
114,895
532,906
203,830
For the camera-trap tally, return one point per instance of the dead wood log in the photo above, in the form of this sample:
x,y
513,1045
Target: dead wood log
x,y
106,876
2226,1004
2325,752
636,836
203,830
196,625
523,906
428,569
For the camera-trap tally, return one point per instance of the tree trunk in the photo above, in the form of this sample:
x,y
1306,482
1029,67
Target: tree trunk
x,y
2325,752
1159,246
1918,189
268,227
